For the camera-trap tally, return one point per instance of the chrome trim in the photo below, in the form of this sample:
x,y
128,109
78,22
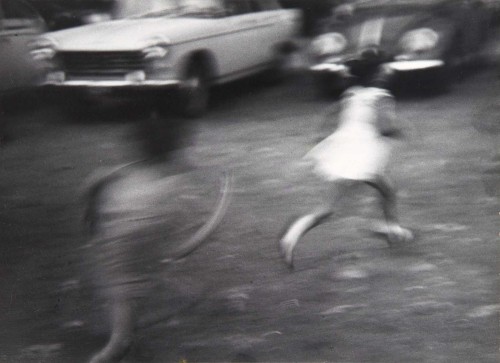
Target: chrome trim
x,y
330,67
415,65
113,83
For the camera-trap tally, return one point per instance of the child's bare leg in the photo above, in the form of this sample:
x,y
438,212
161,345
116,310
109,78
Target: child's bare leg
x,y
394,232
388,194
308,221
298,228
122,332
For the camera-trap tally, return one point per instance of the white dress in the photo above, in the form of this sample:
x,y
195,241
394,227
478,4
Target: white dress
x,y
356,150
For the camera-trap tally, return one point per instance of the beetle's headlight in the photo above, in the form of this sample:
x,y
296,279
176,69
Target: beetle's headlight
x,y
419,40
155,52
330,43
43,49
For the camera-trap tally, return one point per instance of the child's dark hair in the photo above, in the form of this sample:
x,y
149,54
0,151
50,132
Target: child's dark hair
x,y
370,71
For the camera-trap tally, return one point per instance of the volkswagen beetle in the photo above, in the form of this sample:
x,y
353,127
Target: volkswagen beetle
x,y
423,41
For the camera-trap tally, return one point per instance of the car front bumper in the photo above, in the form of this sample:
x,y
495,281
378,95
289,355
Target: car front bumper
x,y
130,80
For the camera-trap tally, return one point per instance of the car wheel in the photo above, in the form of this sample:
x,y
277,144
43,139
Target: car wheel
x,y
194,92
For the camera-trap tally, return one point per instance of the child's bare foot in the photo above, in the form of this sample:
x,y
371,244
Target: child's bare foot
x,y
287,244
112,353
394,233
286,248
296,230
398,234
289,237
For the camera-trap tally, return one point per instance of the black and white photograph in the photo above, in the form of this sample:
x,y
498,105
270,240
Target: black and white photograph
x,y
239,181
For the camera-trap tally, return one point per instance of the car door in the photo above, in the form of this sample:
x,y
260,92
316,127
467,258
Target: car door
x,y
242,39
255,28
19,26
275,26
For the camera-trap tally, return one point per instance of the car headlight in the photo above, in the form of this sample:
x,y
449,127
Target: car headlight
x,y
43,49
419,40
156,47
330,43
155,52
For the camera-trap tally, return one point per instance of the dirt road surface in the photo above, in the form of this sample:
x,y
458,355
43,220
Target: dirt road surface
x,y
350,297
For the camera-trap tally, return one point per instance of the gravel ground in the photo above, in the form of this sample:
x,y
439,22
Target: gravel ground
x,y
350,298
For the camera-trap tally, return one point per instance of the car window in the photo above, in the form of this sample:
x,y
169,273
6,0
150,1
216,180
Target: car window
x,y
16,9
202,7
265,5
17,15
134,8
158,8
237,7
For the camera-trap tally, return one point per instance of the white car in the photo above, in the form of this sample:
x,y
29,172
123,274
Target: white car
x,y
188,45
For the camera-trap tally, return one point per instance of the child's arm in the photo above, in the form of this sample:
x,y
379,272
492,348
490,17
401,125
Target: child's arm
x,y
387,119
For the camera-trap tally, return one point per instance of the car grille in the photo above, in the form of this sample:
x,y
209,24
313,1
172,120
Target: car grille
x,y
101,63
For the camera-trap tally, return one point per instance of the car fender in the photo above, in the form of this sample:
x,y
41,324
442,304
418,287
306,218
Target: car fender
x,y
203,56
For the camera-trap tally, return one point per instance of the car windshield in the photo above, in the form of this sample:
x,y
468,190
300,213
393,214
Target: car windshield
x,y
159,8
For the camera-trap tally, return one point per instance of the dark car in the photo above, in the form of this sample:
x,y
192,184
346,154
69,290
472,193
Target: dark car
x,y
422,40
20,25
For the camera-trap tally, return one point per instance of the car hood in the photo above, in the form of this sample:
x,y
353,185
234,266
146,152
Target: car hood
x,y
130,34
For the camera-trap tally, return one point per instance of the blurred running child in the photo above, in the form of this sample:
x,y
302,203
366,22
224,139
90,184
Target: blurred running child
x,y
357,152
137,215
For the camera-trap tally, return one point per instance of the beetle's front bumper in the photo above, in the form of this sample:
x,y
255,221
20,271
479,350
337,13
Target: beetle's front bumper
x,y
342,69
331,68
338,73
416,65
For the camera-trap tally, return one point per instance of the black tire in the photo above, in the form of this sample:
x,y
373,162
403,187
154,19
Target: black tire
x,y
194,92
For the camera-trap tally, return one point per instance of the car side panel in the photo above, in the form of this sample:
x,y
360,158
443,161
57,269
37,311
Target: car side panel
x,y
275,27
239,44
227,42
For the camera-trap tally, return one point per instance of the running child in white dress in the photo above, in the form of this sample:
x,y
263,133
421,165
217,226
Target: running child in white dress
x,y
357,152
